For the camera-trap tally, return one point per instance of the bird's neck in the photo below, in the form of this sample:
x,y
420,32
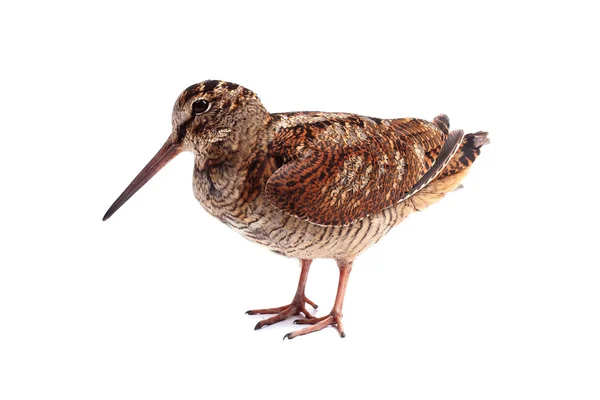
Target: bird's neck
x,y
234,170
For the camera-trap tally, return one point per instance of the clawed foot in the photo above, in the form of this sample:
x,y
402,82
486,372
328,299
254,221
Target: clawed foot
x,y
297,306
317,324
283,313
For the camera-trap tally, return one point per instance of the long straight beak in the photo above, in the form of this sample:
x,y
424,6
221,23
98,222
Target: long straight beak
x,y
166,153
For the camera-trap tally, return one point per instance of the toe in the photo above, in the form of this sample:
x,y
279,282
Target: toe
x,y
312,303
310,320
258,325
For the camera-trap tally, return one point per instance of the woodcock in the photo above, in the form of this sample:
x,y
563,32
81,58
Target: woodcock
x,y
309,184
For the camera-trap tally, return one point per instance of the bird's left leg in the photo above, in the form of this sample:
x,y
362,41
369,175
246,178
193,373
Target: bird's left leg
x,y
296,307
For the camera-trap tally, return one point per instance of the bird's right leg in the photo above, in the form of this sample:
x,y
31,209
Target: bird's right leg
x,y
296,307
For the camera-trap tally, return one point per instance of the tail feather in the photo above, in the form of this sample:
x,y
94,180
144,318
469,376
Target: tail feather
x,y
480,139
468,151
458,167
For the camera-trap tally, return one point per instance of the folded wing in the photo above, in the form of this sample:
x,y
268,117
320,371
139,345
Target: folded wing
x,y
338,171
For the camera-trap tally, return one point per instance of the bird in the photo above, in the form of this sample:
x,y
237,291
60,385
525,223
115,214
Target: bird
x,y
309,185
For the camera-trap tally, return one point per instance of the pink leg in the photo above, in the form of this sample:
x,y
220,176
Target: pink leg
x,y
296,307
335,316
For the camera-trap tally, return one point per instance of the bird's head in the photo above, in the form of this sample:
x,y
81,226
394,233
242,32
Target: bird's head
x,y
209,116
214,120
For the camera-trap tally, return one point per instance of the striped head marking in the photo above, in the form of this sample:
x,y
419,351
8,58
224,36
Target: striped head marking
x,y
207,111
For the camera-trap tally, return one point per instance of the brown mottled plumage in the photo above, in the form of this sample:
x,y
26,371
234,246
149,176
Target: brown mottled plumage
x,y
309,184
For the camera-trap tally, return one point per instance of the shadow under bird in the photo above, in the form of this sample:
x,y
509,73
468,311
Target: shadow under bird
x,y
309,184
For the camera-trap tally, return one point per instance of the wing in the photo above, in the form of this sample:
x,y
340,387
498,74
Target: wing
x,y
337,171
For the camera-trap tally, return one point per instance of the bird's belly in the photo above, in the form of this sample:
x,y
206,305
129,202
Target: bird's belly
x,y
297,238
252,229
262,223
306,240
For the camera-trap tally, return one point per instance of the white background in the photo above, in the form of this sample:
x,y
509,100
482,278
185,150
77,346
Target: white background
x,y
491,294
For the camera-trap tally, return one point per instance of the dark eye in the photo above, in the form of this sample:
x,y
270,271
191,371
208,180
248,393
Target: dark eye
x,y
200,106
